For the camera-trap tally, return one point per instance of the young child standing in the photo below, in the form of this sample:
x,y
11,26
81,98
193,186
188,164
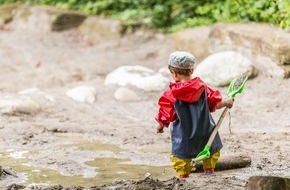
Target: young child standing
x,y
187,104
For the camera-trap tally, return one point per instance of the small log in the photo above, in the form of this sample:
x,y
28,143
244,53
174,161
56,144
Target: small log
x,y
268,183
227,163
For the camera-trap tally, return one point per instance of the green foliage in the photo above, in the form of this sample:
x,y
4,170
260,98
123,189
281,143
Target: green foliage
x,y
6,1
172,15
284,14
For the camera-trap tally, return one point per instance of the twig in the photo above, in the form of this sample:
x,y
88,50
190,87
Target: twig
x,y
9,172
230,121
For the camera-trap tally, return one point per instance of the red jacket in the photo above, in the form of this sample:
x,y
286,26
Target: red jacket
x,y
189,91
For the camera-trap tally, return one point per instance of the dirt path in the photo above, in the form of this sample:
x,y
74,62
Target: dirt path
x,y
65,137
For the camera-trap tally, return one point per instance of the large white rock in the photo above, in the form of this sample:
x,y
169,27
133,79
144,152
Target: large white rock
x,y
138,76
29,91
221,68
13,105
84,94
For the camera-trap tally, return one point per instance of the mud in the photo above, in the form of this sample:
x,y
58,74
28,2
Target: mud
x,y
71,145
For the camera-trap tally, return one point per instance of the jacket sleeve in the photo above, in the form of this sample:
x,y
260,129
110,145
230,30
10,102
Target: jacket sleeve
x,y
213,98
166,112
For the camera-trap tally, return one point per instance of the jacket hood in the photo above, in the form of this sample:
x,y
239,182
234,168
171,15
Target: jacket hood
x,y
189,91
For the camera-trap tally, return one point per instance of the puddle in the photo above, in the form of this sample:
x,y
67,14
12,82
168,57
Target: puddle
x,y
80,141
95,146
108,169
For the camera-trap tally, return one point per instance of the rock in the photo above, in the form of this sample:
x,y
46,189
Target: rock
x,y
15,186
35,91
220,69
7,12
138,76
147,175
193,40
165,72
125,94
266,45
29,91
97,30
45,18
44,186
84,94
13,105
268,183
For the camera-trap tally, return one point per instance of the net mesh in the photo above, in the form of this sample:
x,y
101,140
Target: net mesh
x,y
239,81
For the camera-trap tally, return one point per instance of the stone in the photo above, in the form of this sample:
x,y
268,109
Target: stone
x,y
84,94
7,12
125,94
97,30
268,183
266,45
194,40
137,76
219,69
35,92
46,18
13,105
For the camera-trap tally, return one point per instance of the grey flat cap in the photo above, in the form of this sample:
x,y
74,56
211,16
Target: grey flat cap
x,y
181,60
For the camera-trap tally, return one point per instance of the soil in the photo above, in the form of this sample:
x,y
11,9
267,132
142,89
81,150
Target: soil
x,y
74,141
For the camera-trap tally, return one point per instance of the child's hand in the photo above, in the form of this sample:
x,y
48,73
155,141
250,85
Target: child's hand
x,y
226,103
160,129
229,103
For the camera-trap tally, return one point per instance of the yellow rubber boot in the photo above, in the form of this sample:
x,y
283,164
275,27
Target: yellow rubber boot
x,y
181,166
210,163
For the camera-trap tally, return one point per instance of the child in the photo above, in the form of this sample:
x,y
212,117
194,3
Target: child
x,y
187,104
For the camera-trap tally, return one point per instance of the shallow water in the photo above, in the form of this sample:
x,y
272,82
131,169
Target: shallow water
x,y
108,169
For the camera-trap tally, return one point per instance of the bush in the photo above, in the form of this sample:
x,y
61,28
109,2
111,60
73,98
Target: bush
x,y
172,15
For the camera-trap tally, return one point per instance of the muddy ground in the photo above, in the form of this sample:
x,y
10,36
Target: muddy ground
x,y
112,144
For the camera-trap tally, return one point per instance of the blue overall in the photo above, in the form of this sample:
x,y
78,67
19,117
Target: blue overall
x,y
192,129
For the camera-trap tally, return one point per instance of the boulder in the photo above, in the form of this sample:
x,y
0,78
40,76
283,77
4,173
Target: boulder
x,y
220,69
97,30
194,40
7,12
138,76
45,18
266,45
